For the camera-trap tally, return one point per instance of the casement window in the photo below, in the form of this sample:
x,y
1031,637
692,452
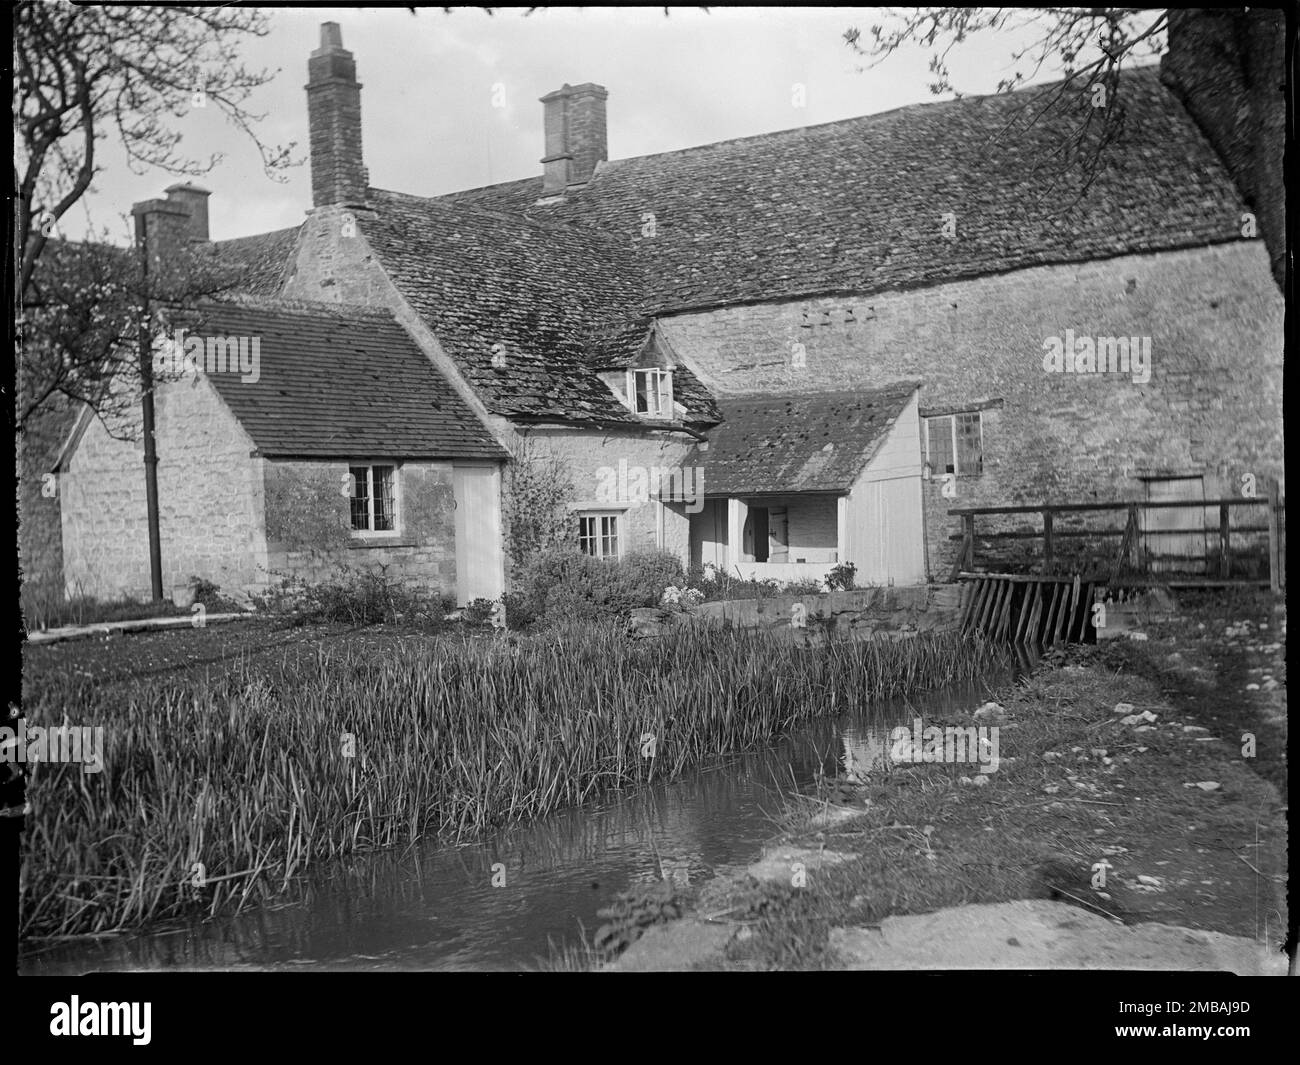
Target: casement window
x,y
373,499
651,392
954,443
599,534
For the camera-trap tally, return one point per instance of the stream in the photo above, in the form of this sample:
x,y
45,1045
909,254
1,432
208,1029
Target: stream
x,y
433,907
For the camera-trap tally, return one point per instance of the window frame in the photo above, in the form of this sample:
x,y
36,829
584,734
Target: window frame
x,y
370,532
599,535
951,417
662,392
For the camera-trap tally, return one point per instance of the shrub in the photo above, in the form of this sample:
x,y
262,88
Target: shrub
x,y
519,610
841,577
715,584
675,598
565,583
359,597
479,612
209,594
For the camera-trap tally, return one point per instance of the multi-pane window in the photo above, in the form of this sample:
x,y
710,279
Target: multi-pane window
x,y
652,393
598,535
372,499
954,443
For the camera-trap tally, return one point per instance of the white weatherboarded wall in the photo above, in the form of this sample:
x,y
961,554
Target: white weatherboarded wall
x,y
884,533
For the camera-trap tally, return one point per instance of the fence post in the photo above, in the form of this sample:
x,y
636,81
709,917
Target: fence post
x,y
1225,567
1274,560
1047,541
1135,545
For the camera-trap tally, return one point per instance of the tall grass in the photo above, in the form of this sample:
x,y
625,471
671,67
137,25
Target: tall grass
x,y
247,774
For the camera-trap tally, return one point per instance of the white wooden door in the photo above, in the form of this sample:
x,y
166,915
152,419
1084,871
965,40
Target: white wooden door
x,y
480,569
1174,538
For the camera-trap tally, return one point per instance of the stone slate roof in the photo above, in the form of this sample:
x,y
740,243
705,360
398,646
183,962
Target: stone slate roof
x,y
548,294
856,205
339,381
263,261
799,442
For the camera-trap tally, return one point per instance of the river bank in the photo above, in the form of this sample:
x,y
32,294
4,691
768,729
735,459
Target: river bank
x,y
1150,763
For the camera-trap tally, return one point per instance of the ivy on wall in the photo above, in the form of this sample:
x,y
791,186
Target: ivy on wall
x,y
538,490
305,508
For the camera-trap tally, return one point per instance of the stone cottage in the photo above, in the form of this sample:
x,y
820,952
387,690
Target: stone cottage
x,y
293,439
791,350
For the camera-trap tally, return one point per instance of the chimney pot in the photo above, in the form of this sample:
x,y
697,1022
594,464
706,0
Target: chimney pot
x,y
331,36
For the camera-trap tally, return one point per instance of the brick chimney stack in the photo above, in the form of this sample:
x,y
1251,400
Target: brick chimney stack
x,y
574,119
334,117
195,202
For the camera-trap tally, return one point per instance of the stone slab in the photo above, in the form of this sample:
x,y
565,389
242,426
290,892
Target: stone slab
x,y
1043,934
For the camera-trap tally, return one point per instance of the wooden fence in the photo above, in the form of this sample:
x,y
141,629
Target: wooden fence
x,y
1133,560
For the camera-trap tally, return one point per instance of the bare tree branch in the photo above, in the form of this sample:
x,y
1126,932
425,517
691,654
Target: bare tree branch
x,y
1088,45
85,72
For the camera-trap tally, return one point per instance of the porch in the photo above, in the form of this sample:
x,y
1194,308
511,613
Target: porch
x,y
794,537
796,484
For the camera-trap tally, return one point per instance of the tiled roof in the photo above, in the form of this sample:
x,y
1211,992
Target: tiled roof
x,y
337,381
800,442
858,205
262,261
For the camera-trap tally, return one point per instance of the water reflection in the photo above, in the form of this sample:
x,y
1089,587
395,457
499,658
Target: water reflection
x,y
429,907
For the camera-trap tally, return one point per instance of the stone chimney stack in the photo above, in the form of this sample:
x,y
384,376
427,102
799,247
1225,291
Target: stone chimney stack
x,y
334,117
162,227
195,202
574,119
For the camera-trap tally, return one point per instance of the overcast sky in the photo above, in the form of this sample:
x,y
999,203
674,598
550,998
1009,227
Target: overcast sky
x,y
429,126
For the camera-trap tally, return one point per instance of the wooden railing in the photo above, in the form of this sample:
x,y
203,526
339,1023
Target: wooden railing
x,y
1132,561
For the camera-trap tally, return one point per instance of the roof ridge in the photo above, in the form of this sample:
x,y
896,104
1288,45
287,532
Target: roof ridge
x,y
821,393
1139,69
928,105
255,236
543,224
300,307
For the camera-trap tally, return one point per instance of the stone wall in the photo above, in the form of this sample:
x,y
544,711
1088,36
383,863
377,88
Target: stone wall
x,y
209,501
309,533
1212,406
593,457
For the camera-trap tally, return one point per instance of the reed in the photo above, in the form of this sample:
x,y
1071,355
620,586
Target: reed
x,y
249,775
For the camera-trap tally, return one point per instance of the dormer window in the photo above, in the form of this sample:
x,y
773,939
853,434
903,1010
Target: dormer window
x,y
652,392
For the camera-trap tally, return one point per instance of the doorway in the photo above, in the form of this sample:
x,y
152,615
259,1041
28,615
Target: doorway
x,y
480,570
